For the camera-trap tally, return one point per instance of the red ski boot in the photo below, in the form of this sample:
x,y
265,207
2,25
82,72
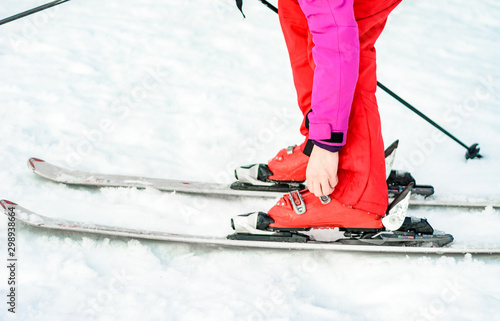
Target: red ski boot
x,y
303,210
285,172
289,164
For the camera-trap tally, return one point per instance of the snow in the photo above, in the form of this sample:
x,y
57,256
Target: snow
x,y
190,90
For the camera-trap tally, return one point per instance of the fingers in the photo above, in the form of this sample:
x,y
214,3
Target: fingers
x,y
315,188
333,180
321,171
322,187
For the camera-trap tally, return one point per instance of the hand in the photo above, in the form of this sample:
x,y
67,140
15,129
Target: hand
x,y
321,171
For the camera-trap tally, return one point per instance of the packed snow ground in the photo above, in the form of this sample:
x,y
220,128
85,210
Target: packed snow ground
x,y
189,90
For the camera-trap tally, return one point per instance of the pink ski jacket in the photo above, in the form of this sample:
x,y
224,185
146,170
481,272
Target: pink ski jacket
x,y
336,56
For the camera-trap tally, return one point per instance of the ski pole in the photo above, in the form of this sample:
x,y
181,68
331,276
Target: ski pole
x,y
472,151
31,11
270,6
239,4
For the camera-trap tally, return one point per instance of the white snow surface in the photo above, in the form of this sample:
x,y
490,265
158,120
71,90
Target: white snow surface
x,y
190,90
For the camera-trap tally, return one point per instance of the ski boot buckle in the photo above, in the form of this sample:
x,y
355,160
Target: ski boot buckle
x,y
297,202
325,199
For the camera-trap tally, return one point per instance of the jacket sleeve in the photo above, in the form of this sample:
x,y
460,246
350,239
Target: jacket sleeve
x,y
336,56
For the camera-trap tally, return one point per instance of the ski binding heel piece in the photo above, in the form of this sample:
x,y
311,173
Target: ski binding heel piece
x,y
396,212
416,225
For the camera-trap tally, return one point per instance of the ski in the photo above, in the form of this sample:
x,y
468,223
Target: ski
x,y
28,217
75,177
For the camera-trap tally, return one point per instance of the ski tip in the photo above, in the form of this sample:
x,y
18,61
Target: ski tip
x,y
6,203
391,148
32,161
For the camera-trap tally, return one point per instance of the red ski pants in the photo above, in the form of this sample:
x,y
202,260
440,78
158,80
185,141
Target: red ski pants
x,y
361,174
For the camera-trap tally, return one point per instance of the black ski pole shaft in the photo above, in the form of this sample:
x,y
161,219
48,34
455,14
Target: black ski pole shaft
x,y
239,4
472,151
32,11
270,6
